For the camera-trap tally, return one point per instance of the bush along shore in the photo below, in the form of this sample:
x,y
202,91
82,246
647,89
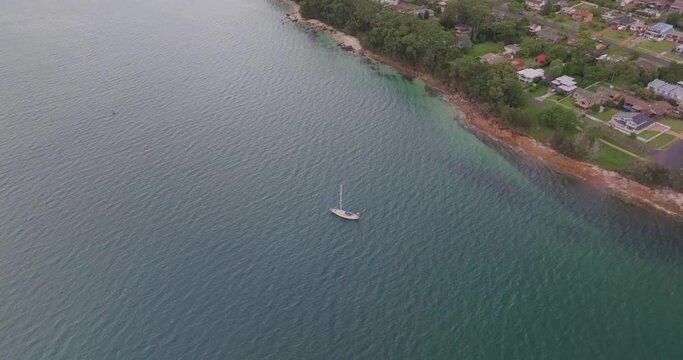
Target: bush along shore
x,y
490,96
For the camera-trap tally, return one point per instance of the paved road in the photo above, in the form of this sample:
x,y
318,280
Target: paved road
x,y
501,8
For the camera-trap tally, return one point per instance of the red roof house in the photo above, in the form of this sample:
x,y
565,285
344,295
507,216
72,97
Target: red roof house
x,y
540,60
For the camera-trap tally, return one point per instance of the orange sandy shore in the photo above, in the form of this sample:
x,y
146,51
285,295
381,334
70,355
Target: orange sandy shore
x,y
666,200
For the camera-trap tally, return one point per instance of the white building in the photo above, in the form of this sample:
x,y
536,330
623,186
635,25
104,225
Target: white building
x,y
658,31
388,2
529,75
536,5
630,122
666,90
565,84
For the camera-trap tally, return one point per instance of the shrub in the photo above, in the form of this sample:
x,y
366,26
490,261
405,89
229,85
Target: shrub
x,y
648,173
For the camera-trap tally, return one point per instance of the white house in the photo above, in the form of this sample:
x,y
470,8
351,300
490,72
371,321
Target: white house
x,y
535,4
666,90
389,2
658,31
565,84
529,75
630,122
511,49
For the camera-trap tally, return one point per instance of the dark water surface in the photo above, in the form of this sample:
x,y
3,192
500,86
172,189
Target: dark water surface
x,y
193,224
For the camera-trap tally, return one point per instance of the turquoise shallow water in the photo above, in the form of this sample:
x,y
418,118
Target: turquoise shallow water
x,y
193,224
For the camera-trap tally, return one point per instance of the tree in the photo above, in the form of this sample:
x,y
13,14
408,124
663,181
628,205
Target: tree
x,y
576,147
648,172
554,70
547,9
557,118
672,73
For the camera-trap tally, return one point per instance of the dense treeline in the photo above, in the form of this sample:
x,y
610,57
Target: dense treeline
x,y
428,45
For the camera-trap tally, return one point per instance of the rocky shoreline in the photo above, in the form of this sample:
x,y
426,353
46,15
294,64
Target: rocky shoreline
x,y
663,199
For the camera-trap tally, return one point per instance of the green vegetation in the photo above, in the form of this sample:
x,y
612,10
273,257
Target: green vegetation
x,y
648,172
613,159
675,124
656,47
606,114
660,141
615,35
648,134
538,90
484,48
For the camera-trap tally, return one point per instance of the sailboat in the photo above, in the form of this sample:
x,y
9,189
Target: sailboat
x,y
344,213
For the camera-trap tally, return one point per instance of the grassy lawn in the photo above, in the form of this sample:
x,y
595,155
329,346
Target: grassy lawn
x,y
656,46
648,134
615,35
612,159
660,141
538,91
485,48
537,131
675,124
606,115
621,144
569,103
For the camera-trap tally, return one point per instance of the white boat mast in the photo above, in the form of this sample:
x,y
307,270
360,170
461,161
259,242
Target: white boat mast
x,y
340,195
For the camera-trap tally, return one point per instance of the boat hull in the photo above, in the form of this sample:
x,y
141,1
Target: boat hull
x,y
345,214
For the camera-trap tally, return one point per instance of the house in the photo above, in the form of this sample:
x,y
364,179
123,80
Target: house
x,y
534,28
511,49
462,29
607,94
658,31
517,64
623,3
666,90
650,12
658,4
529,75
675,36
564,84
442,5
552,38
610,58
657,108
540,60
638,27
630,123
621,22
676,7
583,16
389,2
536,5
569,11
423,12
492,59
585,99
679,49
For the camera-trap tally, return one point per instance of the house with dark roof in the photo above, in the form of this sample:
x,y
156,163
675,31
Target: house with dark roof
x,y
553,38
657,108
607,94
492,59
630,123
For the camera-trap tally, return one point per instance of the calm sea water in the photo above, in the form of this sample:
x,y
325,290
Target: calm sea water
x,y
194,223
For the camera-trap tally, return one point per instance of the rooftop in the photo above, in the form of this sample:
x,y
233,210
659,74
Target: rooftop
x,y
661,27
